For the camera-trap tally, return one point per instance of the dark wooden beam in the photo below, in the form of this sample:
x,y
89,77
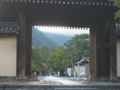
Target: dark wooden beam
x,y
63,20
70,9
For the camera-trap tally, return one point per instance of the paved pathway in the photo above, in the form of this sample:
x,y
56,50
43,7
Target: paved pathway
x,y
49,80
52,80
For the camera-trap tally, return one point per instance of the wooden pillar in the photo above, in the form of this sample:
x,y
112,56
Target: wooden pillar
x,y
98,49
22,44
113,59
104,54
29,49
93,58
29,53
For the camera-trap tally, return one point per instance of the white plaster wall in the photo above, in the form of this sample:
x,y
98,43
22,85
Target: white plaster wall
x,y
79,69
7,56
118,57
87,69
69,71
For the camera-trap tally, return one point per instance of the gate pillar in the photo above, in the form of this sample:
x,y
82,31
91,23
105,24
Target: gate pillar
x,y
105,63
98,49
22,44
93,57
113,57
29,49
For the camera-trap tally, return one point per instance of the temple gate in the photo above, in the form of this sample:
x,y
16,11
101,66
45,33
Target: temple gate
x,y
98,15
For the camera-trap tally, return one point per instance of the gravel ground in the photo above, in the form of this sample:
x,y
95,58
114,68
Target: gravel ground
x,y
50,82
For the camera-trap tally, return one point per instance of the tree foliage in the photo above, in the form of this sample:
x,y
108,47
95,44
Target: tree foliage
x,y
116,3
77,47
46,59
40,57
58,61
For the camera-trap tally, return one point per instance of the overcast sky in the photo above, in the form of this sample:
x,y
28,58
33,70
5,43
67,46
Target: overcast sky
x,y
63,30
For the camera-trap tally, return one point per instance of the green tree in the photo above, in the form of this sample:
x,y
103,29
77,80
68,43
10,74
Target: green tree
x,y
35,59
116,3
40,56
44,55
58,61
77,47
81,43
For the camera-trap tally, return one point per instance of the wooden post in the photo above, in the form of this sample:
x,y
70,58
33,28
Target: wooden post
x,y
29,50
22,44
93,60
98,49
29,53
104,56
113,59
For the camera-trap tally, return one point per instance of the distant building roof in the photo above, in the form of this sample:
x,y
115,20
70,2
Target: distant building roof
x,y
9,28
82,61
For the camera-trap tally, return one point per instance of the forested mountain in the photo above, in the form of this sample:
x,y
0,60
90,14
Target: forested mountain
x,y
59,39
39,39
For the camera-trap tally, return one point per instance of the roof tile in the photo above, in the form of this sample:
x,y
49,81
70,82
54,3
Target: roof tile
x,y
9,28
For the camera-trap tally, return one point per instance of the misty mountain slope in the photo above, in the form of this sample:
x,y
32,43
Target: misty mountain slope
x,y
39,39
59,39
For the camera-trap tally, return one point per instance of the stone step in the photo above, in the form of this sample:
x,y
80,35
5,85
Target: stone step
x,y
58,87
26,89
75,89
8,78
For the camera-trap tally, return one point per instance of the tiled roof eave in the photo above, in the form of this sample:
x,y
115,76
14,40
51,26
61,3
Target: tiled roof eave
x,y
9,28
64,2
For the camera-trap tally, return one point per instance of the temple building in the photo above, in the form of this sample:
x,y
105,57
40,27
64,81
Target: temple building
x,y
97,15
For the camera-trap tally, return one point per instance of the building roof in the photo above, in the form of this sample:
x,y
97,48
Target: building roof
x,y
82,61
9,28
118,31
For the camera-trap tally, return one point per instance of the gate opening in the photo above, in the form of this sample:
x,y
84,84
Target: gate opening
x,y
56,50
